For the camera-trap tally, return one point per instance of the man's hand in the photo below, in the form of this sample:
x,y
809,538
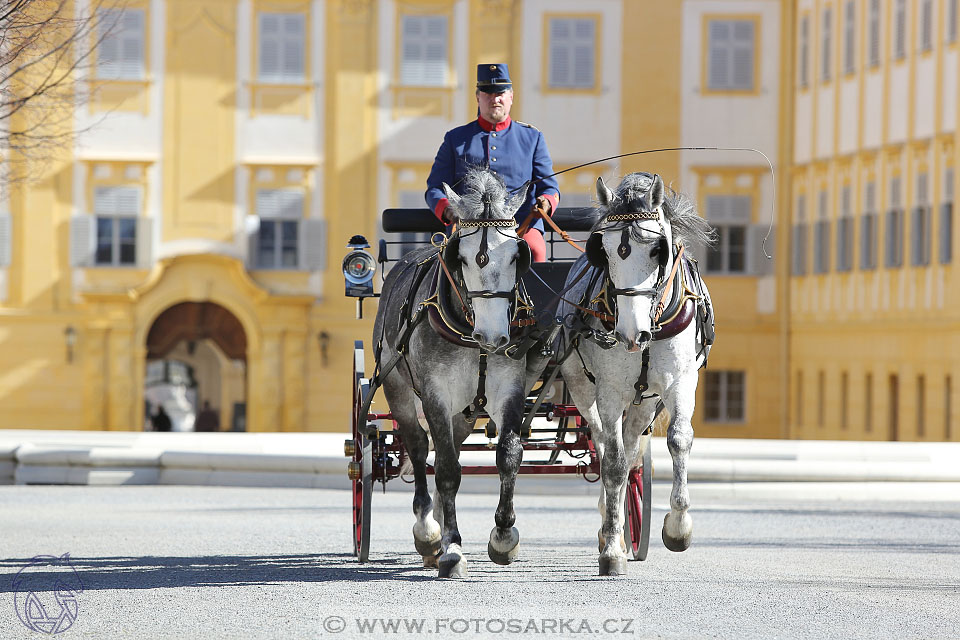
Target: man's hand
x,y
543,207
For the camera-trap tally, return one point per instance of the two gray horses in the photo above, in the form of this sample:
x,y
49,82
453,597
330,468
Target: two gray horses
x,y
487,259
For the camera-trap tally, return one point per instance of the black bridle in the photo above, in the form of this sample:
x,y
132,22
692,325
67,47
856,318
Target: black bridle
x,y
624,250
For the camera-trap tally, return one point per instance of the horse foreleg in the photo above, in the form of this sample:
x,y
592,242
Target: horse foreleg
x,y
678,525
504,544
452,563
613,474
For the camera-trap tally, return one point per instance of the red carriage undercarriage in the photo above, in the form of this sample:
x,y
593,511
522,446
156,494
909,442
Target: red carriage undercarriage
x,y
559,433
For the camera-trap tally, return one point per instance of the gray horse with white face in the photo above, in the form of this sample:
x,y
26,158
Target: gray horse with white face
x,y
629,363
485,258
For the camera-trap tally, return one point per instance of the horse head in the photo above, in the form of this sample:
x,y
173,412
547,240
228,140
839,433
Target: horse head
x,y
486,255
631,242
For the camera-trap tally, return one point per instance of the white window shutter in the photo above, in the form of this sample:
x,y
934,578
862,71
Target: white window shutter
x,y
294,46
82,229
279,203
6,244
132,44
743,45
144,246
424,51
757,262
108,51
313,244
252,229
720,41
270,42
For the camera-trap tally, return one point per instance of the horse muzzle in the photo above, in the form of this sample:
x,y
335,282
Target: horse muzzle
x,y
638,343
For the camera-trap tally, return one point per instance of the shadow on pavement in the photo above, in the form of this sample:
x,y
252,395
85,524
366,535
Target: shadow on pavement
x,y
158,572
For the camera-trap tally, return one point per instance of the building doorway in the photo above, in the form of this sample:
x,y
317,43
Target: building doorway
x,y
196,368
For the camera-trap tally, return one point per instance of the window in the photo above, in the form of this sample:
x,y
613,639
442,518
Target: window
x,y
868,230
724,395
926,25
730,216
849,37
825,52
893,249
120,54
874,29
946,219
423,58
800,238
116,210
821,239
920,225
804,53
731,55
282,48
845,232
951,35
280,212
900,35
572,53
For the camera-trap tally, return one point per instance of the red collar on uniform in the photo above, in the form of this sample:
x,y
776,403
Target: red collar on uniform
x,y
489,126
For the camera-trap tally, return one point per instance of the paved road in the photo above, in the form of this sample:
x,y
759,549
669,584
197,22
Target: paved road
x,y
768,561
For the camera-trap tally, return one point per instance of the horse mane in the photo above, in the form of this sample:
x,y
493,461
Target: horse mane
x,y
480,187
688,227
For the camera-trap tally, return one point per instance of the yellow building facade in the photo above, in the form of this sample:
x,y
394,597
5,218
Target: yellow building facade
x,y
231,147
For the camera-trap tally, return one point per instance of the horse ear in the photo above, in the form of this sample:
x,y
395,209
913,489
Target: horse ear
x,y
604,195
516,201
654,196
452,198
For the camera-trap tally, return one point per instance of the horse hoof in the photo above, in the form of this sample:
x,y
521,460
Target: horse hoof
x,y
501,557
452,565
613,566
430,562
677,538
427,548
676,544
504,545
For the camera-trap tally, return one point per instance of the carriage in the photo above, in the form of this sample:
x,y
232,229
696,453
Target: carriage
x,y
470,316
552,425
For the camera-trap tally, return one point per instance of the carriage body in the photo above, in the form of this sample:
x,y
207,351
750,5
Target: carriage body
x,y
556,436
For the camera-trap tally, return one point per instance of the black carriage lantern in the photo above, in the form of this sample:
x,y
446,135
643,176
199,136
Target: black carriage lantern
x,y
358,269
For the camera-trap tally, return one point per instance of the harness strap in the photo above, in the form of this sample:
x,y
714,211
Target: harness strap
x,y
463,305
642,385
528,222
668,287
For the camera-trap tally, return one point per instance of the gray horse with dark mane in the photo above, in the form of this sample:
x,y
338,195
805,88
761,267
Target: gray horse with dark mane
x,y
641,350
458,360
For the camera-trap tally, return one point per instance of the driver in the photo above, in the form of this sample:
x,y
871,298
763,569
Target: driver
x,y
514,150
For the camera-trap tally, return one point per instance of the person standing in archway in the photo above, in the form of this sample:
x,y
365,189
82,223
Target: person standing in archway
x,y
160,420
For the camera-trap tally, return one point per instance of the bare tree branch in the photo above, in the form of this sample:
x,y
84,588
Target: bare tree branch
x,y
46,52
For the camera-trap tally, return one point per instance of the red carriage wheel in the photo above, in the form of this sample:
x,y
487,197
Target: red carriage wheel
x,y
636,522
361,467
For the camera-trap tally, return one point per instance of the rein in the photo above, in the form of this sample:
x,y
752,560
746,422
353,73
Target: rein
x,y
537,211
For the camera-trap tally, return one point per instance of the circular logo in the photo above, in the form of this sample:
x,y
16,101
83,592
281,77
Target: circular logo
x,y
46,594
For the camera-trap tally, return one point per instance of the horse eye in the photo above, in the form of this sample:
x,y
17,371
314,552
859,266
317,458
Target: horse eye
x,y
655,252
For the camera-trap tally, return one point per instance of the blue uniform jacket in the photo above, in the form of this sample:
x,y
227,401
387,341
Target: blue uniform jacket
x,y
516,154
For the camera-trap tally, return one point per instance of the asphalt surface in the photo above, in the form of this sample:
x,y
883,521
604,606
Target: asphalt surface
x,y
768,561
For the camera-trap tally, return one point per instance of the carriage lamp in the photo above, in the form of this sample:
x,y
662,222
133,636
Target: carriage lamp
x,y
70,338
358,270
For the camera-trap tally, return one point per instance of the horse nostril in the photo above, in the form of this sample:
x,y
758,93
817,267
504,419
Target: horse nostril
x,y
503,341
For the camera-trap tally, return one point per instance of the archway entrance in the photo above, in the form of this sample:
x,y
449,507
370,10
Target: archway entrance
x,y
196,369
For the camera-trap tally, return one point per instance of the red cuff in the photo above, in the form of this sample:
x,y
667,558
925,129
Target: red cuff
x,y
553,200
438,210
